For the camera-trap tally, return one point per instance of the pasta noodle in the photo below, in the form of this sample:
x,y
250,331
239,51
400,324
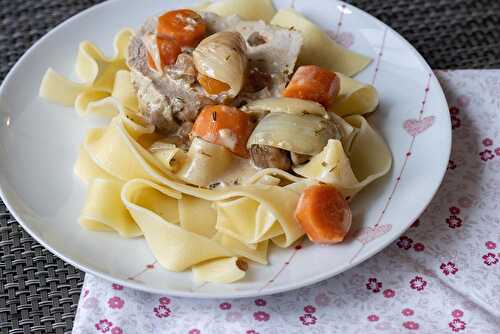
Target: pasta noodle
x,y
96,72
174,247
104,210
248,10
354,97
218,271
318,48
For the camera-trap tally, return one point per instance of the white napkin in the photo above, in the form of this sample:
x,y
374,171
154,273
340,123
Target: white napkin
x,y
441,276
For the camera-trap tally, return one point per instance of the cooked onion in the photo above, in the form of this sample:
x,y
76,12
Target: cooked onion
x,y
222,56
287,105
303,134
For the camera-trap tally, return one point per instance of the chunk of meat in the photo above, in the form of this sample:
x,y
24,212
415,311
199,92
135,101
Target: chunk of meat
x,y
165,99
311,82
264,156
173,97
183,25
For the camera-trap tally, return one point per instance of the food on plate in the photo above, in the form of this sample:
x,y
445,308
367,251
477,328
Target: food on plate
x,y
324,214
232,129
225,126
313,83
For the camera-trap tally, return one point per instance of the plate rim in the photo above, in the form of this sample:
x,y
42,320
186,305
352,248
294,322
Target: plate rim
x,y
233,294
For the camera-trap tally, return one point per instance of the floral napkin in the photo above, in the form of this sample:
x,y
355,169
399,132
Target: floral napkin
x,y
441,276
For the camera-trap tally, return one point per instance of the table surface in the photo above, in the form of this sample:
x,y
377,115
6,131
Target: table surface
x,y
39,292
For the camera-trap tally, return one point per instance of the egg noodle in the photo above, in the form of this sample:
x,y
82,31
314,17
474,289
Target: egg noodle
x,y
138,193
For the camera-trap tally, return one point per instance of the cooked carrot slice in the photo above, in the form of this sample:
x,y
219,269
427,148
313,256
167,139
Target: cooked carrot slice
x,y
225,126
313,83
168,50
212,86
324,214
183,25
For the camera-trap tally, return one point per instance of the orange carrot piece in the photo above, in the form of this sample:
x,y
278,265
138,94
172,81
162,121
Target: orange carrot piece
x,y
183,25
324,214
313,83
212,86
225,126
168,50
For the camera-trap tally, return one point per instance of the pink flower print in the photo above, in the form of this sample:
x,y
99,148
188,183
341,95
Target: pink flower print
x,y
389,293
490,259
497,151
452,164
374,285
115,302
260,302
116,330
407,312
411,325
117,286
418,247
103,325
251,332
454,111
162,311
86,293
454,221
455,122
225,306
490,245
233,316
457,313
261,316
322,299
448,268
308,319
454,210
164,300
404,242
418,283
487,142
346,39
373,317
194,331
456,325
309,309
486,155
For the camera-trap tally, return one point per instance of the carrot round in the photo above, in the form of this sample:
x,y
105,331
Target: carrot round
x,y
225,126
313,83
168,50
212,86
324,214
183,25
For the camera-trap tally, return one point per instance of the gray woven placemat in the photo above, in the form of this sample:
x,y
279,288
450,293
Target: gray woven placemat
x,y
39,292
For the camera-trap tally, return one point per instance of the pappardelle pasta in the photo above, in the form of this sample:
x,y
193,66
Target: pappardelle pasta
x,y
232,128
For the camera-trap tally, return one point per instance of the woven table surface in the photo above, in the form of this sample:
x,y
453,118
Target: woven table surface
x,y
39,292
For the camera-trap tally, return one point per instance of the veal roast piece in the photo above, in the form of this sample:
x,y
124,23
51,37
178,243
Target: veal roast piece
x,y
174,98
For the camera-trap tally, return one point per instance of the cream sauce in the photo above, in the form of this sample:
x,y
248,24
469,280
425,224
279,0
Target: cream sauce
x,y
240,170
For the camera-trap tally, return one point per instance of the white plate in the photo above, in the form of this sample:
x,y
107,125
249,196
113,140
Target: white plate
x,y
39,144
